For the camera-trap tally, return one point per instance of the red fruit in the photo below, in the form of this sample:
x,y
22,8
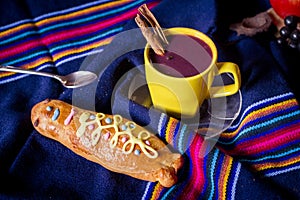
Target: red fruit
x,y
286,7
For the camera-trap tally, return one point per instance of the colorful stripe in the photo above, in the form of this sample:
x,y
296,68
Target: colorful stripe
x,y
157,190
172,128
264,112
196,183
268,136
258,105
61,36
202,177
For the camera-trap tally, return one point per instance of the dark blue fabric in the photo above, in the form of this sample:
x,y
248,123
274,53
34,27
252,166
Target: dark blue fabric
x,y
32,166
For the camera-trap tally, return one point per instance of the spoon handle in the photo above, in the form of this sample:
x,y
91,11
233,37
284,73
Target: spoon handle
x,y
26,71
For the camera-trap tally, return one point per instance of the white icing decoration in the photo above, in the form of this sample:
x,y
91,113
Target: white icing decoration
x,y
83,117
125,130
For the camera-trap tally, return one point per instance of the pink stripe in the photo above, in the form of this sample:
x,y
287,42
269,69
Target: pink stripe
x,y
19,48
65,35
273,140
196,183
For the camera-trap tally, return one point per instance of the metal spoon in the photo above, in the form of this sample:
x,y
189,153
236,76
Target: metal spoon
x,y
73,80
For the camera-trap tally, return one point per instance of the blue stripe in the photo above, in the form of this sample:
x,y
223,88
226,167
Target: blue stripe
x,y
219,166
15,24
262,104
278,157
213,165
17,37
87,41
28,58
277,172
272,115
32,56
56,13
234,174
67,23
180,140
19,76
176,131
260,126
163,126
93,17
279,148
69,10
270,131
165,196
280,170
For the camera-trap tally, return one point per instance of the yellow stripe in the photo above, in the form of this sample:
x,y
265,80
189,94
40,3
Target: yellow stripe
x,y
42,60
259,113
62,17
30,65
16,29
81,49
269,165
80,12
156,192
170,128
228,169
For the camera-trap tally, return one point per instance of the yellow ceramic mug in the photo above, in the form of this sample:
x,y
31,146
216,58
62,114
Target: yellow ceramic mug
x,y
182,96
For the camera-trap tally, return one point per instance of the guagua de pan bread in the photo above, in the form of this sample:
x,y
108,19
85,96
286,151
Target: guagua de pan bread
x,y
114,142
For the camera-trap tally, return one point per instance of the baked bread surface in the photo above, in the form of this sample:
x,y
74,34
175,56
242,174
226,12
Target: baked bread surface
x,y
112,141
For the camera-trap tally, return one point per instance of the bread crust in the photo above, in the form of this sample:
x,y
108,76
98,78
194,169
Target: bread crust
x,y
112,141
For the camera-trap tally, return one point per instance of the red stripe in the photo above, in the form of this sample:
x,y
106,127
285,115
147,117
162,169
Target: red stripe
x,y
197,179
265,143
67,34
19,48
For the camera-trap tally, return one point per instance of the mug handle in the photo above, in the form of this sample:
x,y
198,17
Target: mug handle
x,y
230,89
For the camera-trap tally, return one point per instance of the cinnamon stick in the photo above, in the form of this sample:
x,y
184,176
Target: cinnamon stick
x,y
151,38
144,10
154,36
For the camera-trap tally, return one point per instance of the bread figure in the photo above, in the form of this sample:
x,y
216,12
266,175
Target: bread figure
x,y
114,142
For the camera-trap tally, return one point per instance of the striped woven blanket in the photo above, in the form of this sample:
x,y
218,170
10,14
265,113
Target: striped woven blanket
x,y
257,156
51,39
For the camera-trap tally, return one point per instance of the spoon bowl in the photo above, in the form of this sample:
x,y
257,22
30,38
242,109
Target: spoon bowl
x,y
77,79
72,80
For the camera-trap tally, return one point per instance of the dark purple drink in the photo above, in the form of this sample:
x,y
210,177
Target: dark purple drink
x,y
185,56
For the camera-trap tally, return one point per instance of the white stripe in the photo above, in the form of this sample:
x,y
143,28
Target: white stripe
x,y
78,56
236,177
258,103
8,26
13,78
159,127
146,191
83,6
2,28
282,171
